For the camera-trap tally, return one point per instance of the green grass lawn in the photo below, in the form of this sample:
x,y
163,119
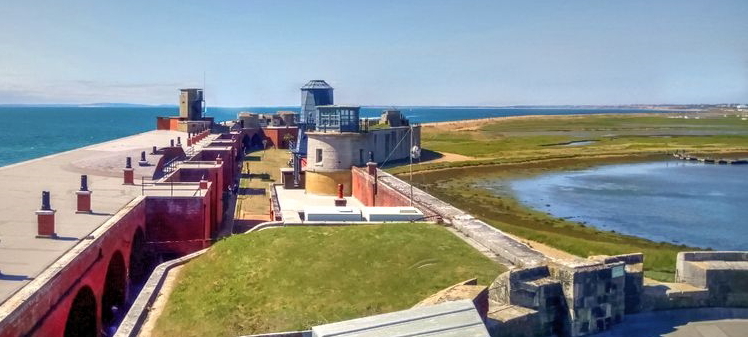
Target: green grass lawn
x,y
297,277
264,167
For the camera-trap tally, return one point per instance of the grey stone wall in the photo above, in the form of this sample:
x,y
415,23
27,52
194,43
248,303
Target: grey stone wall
x,y
724,275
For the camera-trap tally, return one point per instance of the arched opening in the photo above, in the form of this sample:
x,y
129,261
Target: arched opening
x,y
141,262
246,143
256,142
81,320
113,300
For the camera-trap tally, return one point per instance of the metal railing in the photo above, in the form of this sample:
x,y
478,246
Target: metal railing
x,y
151,185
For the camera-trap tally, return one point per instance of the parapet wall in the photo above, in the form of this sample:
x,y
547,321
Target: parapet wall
x,y
495,240
366,188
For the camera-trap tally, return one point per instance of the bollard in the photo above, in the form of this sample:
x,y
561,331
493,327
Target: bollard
x,y
340,201
171,142
143,161
154,150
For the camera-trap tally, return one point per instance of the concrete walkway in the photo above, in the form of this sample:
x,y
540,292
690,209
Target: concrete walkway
x,y
701,322
22,255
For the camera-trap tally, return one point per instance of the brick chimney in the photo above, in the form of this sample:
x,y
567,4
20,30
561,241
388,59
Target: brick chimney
x,y
129,174
84,196
45,218
203,183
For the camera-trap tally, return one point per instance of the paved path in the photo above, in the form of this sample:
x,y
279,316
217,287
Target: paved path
x,y
703,322
22,255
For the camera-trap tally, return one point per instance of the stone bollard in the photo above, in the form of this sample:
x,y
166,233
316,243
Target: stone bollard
x,y
171,142
84,196
129,174
45,218
153,151
179,141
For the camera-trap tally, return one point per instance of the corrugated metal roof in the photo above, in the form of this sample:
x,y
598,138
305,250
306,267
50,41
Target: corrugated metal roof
x,y
448,319
316,84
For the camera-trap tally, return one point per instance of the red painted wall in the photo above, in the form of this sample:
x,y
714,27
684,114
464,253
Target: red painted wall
x,y
363,188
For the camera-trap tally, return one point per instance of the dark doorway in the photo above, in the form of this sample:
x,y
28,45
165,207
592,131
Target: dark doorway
x,y
141,262
113,300
81,320
246,143
256,142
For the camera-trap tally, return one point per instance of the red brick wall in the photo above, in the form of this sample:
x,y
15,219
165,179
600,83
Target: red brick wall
x,y
172,225
171,219
275,136
46,310
364,190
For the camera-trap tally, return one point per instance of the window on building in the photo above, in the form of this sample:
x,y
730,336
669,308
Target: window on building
x,y
319,156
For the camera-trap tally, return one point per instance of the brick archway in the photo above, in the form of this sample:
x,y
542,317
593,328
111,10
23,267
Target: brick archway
x,y
81,321
115,289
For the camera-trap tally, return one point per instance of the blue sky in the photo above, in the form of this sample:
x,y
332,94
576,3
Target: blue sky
x,y
388,52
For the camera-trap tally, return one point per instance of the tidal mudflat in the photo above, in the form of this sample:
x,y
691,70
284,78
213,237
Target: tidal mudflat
x,y
688,203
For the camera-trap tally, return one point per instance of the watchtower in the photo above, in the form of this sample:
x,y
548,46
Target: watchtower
x,y
191,104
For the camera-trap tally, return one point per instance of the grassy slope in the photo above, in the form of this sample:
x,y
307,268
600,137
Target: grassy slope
x,y
297,277
506,152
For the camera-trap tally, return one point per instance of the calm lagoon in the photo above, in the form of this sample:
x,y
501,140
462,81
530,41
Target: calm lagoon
x,y
703,205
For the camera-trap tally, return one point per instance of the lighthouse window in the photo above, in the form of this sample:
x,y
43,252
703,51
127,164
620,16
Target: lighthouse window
x,y
319,155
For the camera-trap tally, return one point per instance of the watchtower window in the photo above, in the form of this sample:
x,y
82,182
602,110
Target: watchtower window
x,y
319,156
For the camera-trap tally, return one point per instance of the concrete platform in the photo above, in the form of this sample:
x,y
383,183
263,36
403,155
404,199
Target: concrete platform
x,y
293,201
22,255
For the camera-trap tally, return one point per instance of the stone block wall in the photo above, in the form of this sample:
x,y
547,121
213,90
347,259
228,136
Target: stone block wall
x,y
594,294
634,283
532,288
723,274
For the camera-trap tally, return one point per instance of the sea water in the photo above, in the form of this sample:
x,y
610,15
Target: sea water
x,y
697,204
32,132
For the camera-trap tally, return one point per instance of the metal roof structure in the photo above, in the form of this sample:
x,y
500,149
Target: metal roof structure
x,y
316,84
448,319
